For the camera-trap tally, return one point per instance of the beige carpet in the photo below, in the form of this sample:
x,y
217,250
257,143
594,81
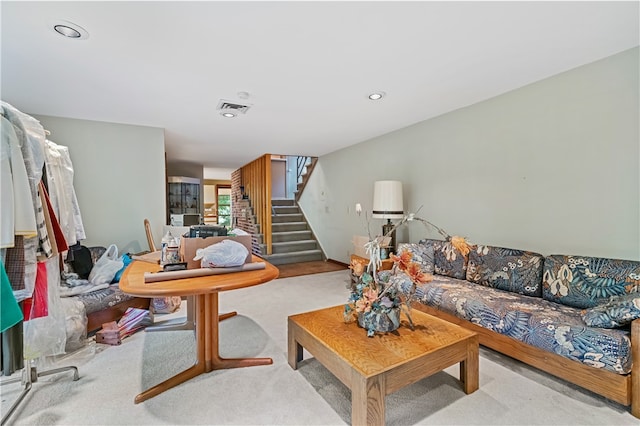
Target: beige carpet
x,y
510,393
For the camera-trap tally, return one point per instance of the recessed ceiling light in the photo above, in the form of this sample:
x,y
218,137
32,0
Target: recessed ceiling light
x,y
228,114
70,30
376,96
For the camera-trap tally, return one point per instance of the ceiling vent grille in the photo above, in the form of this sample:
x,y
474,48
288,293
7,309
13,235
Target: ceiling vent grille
x,y
232,107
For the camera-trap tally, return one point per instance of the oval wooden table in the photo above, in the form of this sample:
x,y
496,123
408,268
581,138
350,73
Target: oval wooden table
x,y
205,290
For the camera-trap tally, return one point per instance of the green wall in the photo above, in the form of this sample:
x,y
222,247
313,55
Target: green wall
x,y
119,179
551,167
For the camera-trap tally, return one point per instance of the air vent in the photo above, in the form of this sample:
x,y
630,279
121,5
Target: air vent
x,y
232,107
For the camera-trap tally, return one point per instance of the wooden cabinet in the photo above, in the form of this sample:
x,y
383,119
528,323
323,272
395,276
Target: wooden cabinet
x,y
183,195
387,264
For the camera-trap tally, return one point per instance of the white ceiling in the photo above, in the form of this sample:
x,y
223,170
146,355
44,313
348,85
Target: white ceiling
x,y
308,66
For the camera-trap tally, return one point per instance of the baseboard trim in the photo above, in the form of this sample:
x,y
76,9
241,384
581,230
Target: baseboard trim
x,y
337,262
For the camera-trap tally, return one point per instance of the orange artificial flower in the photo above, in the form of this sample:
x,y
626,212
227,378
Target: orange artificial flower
x,y
461,244
416,274
357,267
403,260
368,297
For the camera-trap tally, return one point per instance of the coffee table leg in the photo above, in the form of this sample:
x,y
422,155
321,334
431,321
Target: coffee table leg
x,y
469,368
367,400
294,349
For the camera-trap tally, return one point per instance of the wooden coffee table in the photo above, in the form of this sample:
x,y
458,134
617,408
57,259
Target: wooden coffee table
x,y
373,367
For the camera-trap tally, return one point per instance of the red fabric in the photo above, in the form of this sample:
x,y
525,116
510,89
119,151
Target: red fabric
x,y
61,243
38,305
26,308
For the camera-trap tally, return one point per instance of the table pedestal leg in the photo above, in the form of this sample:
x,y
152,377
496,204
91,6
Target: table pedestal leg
x,y
227,315
207,339
212,337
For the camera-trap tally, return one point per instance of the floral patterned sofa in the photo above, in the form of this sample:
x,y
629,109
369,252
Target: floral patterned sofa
x,y
571,316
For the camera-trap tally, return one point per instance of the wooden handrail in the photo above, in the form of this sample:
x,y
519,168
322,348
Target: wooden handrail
x,y
303,163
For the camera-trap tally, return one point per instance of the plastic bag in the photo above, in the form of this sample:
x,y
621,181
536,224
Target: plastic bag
x,y
226,253
126,260
76,323
47,335
165,305
106,267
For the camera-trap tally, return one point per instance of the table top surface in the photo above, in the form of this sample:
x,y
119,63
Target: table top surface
x,y
132,281
383,351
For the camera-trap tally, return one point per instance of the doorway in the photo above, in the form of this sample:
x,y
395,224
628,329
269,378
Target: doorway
x,y
217,203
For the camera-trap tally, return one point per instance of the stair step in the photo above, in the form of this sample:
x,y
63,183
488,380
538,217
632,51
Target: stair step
x,y
293,246
295,257
286,210
292,240
279,237
283,202
288,226
286,218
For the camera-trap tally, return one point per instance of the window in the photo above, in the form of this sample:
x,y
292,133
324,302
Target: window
x,y
224,205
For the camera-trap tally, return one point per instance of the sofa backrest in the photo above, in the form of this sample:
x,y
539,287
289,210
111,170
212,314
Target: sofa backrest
x,y
448,260
584,282
422,254
518,271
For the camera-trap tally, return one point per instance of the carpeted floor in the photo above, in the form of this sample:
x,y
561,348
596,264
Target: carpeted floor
x,y
510,393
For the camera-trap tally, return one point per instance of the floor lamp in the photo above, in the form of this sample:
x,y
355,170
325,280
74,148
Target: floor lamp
x,y
388,204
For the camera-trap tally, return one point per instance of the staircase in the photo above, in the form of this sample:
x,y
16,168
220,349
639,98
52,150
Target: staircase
x,y
304,166
292,240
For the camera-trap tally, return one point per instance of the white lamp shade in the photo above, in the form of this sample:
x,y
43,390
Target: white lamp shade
x,y
387,200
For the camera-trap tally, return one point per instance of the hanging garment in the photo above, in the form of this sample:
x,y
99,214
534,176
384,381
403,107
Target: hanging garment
x,y
31,136
37,306
10,312
61,193
17,216
48,221
58,243
12,353
30,264
45,250
14,264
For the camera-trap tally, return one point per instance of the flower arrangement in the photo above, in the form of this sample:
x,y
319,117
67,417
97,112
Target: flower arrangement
x,y
376,300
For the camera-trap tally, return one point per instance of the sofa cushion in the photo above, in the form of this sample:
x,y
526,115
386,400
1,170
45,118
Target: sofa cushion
x,y
422,254
513,270
619,311
550,326
585,282
102,299
448,260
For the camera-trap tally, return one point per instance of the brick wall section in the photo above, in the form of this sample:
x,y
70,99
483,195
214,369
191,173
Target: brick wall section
x,y
236,182
242,212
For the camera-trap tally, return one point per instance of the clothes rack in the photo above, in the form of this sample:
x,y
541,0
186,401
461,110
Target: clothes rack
x,y
30,374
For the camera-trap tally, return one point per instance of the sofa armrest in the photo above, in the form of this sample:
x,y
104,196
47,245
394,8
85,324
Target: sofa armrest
x,y
635,368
